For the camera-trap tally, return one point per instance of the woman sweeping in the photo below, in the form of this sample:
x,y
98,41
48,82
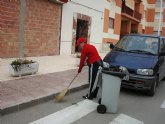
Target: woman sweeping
x,y
91,56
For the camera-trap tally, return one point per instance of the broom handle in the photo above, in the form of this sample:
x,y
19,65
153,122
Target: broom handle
x,y
72,80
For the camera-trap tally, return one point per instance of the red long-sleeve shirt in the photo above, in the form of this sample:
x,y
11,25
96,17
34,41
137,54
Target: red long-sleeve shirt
x,y
90,54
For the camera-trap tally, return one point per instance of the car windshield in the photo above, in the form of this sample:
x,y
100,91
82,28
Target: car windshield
x,y
138,44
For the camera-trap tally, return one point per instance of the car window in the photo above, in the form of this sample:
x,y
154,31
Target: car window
x,y
139,44
162,45
151,45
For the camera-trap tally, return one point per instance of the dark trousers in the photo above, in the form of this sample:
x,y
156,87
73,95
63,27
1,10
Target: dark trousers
x,y
93,69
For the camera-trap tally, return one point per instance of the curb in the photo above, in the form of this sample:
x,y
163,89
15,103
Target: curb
x,y
27,104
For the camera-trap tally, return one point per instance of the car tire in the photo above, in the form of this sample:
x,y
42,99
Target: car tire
x,y
152,91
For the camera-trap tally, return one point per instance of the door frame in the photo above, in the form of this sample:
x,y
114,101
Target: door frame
x,y
74,29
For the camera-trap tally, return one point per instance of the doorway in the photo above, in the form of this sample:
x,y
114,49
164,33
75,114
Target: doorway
x,y
81,31
81,28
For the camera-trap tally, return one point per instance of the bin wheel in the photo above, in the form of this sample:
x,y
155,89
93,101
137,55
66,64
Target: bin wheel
x,y
99,101
101,109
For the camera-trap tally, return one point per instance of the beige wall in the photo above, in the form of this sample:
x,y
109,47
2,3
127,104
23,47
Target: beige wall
x,y
130,3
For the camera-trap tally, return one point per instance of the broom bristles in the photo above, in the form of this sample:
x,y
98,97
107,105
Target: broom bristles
x,y
61,95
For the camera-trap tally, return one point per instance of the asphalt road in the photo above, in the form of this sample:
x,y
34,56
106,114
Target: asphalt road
x,y
132,104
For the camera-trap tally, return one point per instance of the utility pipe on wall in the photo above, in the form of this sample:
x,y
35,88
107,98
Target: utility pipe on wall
x,y
160,17
21,27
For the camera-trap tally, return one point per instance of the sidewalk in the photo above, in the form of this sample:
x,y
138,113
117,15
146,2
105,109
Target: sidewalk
x,y
47,64
55,72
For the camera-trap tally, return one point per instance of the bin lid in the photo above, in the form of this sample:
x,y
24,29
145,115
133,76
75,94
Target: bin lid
x,y
118,74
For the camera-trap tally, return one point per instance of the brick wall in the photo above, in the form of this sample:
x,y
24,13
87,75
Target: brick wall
x,y
117,24
164,15
151,1
42,23
119,3
150,15
9,28
163,28
106,20
163,31
140,28
149,30
141,10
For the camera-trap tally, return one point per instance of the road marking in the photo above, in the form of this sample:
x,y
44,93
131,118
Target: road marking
x,y
69,114
163,105
124,119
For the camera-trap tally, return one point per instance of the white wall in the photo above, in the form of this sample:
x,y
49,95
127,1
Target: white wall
x,y
143,21
113,10
92,8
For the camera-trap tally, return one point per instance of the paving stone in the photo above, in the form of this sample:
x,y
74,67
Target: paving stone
x,y
22,93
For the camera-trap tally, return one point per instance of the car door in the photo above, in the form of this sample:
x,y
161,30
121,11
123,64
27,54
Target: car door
x,y
162,59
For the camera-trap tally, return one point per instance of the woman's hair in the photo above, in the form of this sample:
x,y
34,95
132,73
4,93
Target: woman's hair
x,y
111,46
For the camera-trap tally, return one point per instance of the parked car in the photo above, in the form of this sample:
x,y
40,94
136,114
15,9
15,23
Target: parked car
x,y
143,57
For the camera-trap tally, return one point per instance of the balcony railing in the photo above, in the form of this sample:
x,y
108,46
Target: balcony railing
x,y
137,15
132,13
127,10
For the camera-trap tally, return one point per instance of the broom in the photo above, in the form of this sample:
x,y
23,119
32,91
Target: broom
x,y
61,95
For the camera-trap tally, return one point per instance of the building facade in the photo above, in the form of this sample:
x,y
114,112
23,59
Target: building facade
x,y
99,23
52,27
155,14
82,19
107,21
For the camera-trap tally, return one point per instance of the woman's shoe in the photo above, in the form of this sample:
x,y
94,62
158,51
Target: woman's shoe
x,y
88,97
85,97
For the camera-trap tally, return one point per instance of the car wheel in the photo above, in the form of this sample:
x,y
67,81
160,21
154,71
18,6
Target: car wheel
x,y
151,92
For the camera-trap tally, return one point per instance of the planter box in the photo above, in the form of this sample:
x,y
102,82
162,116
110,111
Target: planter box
x,y
24,69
